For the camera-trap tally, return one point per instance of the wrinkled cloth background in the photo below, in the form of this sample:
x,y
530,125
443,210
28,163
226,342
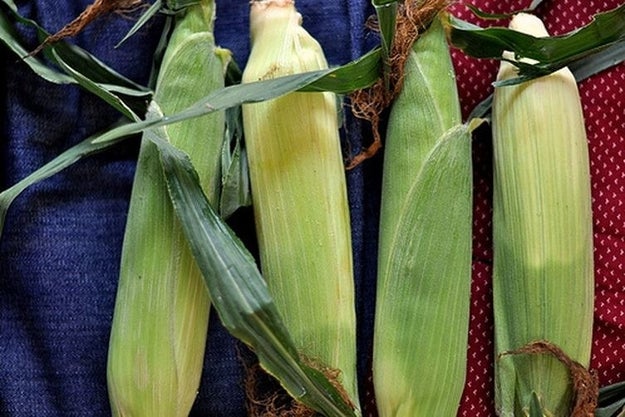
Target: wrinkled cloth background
x,y
60,251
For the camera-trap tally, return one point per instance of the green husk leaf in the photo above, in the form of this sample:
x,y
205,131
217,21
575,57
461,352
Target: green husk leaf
x,y
235,187
10,38
490,16
94,76
597,62
552,53
611,393
233,73
174,6
386,11
611,410
94,69
145,17
482,109
169,8
80,67
85,148
582,69
237,289
105,94
535,408
159,51
611,400
354,75
343,79
235,191
448,191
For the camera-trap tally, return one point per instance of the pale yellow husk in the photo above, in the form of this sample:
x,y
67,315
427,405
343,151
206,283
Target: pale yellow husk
x,y
159,328
299,195
542,235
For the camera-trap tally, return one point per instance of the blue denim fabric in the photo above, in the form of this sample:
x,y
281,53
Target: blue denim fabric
x,y
59,254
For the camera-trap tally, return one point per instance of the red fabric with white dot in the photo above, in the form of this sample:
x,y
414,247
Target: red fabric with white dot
x,y
604,110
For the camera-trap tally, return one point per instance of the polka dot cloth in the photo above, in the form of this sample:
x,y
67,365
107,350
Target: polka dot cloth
x,y
604,111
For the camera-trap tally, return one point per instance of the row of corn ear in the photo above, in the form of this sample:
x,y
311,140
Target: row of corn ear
x,y
160,321
161,312
543,265
542,231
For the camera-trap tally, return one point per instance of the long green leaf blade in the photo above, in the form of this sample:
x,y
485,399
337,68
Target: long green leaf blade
x,y
352,76
552,53
237,289
611,400
336,80
599,61
85,148
95,88
80,67
73,55
9,36
355,75
235,184
386,11
145,17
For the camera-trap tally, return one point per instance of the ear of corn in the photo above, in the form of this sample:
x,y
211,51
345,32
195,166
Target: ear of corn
x,y
542,235
299,195
161,313
424,260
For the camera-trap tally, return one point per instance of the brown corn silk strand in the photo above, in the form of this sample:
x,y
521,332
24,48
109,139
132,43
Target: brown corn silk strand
x,y
585,382
262,402
269,402
413,16
95,10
